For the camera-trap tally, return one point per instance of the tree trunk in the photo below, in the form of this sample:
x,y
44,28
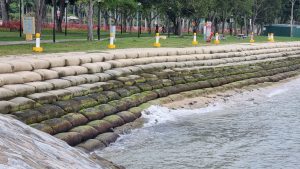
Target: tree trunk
x,y
59,19
4,11
90,21
39,7
178,26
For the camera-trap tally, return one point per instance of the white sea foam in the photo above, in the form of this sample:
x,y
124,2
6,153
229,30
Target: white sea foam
x,y
278,91
158,115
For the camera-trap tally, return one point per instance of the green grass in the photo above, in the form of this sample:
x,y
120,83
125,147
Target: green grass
x,y
124,41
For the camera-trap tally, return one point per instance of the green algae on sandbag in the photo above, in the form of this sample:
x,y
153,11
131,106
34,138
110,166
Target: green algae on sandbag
x,y
91,145
49,111
127,116
171,89
127,81
85,101
69,106
122,92
107,138
144,86
116,83
76,119
167,82
130,101
144,106
156,84
93,113
100,98
214,82
133,89
72,138
149,77
43,127
190,78
87,132
119,105
107,109
111,95
137,111
29,116
58,125
114,120
161,92
178,80
101,125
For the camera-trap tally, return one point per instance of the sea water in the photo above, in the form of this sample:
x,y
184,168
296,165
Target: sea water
x,y
258,129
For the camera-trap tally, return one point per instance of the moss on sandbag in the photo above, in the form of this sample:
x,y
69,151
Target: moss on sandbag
x,y
58,125
190,78
116,83
107,109
50,111
127,81
85,101
127,116
43,127
132,100
93,113
114,120
161,92
100,98
69,106
156,84
119,105
72,138
171,89
149,77
214,82
87,132
101,125
76,119
123,92
178,80
144,86
107,138
133,89
167,82
91,145
111,95
137,111
144,106
29,116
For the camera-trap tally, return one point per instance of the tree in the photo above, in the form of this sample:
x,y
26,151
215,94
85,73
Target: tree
x,y
4,10
39,13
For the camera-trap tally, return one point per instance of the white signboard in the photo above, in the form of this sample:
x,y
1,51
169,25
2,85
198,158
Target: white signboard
x,y
113,31
29,25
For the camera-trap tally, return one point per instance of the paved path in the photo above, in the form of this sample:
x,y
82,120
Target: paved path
x,y
4,43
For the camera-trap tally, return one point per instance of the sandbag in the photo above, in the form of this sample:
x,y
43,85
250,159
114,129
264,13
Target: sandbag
x,y
127,116
76,119
69,106
29,76
93,113
107,138
43,98
47,74
72,138
106,109
40,86
58,125
87,132
43,127
85,101
24,103
20,89
100,125
91,145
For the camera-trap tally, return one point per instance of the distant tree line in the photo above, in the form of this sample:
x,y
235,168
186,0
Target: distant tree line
x,y
172,12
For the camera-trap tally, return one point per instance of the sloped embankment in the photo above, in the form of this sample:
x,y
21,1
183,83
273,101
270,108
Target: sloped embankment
x,y
81,99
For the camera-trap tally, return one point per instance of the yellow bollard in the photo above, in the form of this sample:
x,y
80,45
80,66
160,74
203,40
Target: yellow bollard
x,y
111,42
156,44
252,38
37,47
217,40
272,37
195,42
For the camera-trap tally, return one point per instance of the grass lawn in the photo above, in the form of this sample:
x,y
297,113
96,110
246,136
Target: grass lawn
x,y
124,41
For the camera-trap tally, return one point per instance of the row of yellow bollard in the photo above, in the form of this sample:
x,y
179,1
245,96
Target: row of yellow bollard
x,y
157,44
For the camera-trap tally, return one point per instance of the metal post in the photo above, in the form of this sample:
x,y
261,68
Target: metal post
x,y
54,20
66,11
20,18
138,26
98,28
292,16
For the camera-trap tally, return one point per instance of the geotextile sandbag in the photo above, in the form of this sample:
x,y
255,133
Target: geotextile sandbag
x,y
114,120
64,71
6,93
130,101
72,138
178,80
87,132
69,106
104,85
144,86
18,66
49,111
5,68
6,107
116,83
76,119
38,63
85,101
20,89
43,127
122,92
161,92
111,95
91,145
11,78
127,116
92,88
107,138
137,111
90,78
93,113
119,105
133,89
100,98
47,74
23,103
100,125
56,61
29,116
79,70
78,91
43,98
58,125
59,83
75,80
61,94
72,60
126,81
107,109
40,86
29,76
156,84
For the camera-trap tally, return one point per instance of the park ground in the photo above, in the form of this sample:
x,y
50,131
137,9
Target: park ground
x,y
76,41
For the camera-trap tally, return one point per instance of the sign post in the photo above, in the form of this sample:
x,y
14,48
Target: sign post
x,y
28,27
